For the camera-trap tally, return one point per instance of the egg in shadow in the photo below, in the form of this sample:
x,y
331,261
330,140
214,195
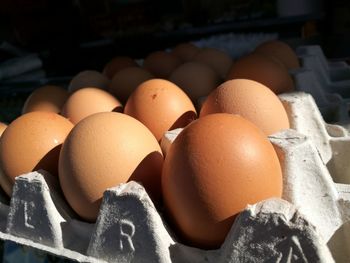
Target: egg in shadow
x,y
50,161
185,119
119,108
148,173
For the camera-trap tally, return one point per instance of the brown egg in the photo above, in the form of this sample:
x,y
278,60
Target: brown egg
x,y
280,50
216,167
161,106
87,101
46,98
185,51
3,126
250,99
262,69
219,60
196,79
161,63
126,81
88,78
102,151
116,64
4,181
32,142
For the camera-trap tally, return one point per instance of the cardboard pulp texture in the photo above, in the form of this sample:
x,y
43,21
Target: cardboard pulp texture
x,y
328,82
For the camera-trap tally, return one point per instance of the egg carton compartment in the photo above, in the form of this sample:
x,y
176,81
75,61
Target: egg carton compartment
x,y
331,143
313,63
330,140
328,82
333,107
332,70
311,224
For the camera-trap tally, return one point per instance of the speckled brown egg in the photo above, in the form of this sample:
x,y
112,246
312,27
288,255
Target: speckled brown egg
x,y
262,69
196,79
88,78
32,142
161,106
46,98
87,101
126,81
116,64
161,63
219,60
216,167
102,151
280,50
250,99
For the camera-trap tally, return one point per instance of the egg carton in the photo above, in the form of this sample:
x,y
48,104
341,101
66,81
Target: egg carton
x,y
313,57
310,223
333,107
328,82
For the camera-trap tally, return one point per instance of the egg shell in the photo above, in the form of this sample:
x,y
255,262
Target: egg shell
x,y
116,64
262,69
126,81
161,106
46,98
161,63
185,51
280,50
4,181
87,101
216,167
3,126
219,60
88,78
196,79
102,151
32,142
250,99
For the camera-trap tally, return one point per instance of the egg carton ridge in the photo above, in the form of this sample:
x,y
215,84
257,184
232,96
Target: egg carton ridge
x,y
327,81
129,229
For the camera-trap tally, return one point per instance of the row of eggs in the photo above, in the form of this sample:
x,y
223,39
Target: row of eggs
x,y
219,163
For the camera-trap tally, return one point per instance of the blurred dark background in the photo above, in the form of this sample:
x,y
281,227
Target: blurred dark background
x,y
48,42
71,35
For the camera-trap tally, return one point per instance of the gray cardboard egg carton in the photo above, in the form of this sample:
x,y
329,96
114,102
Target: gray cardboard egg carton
x,y
328,82
311,224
